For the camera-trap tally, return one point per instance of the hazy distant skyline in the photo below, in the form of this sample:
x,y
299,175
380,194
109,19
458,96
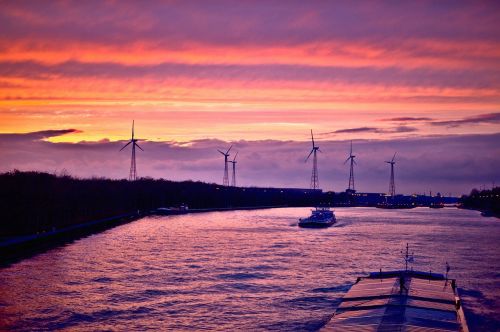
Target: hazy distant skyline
x,y
192,73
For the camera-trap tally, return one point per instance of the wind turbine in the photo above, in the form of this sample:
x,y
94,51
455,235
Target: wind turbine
x,y
392,185
233,182
351,173
225,180
133,168
314,175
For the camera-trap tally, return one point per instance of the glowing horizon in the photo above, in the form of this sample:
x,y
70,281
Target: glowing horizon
x,y
330,67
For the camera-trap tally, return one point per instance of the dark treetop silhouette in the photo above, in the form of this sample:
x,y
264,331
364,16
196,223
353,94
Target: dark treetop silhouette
x,y
34,202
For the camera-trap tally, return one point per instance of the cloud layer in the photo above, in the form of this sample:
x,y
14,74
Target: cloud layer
x,y
421,78
446,163
474,120
331,66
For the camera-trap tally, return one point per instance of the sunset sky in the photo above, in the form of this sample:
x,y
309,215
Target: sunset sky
x,y
422,78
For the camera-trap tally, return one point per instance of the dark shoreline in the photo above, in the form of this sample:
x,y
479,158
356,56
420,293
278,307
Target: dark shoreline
x,y
36,203
487,213
17,248
486,201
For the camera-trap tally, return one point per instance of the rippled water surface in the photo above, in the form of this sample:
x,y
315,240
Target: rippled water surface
x,y
245,270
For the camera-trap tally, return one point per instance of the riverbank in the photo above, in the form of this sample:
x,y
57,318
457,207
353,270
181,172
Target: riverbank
x,y
485,201
15,248
35,202
484,212
176,211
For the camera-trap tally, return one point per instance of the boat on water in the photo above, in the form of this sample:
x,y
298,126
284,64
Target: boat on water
x,y
320,217
404,300
396,203
436,205
167,211
395,206
487,213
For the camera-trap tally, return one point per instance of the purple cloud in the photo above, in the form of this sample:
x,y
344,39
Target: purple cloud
x,y
264,72
482,118
37,135
408,119
399,129
177,23
454,163
356,130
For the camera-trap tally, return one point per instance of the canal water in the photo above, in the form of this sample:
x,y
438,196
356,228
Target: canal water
x,y
244,270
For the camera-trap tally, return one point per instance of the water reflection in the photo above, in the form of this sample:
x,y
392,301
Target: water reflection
x,y
243,270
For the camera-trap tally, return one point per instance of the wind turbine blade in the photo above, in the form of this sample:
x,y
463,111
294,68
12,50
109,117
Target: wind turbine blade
x,y
236,155
320,150
229,149
393,156
126,145
310,153
355,163
133,129
312,138
221,152
138,146
347,160
351,149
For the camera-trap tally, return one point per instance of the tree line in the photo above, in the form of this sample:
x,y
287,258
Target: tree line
x,y
487,200
33,202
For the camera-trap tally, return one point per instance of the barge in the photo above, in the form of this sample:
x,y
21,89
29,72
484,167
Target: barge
x,y
402,300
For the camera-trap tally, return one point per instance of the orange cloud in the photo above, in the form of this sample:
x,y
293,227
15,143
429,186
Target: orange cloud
x,y
409,54
247,74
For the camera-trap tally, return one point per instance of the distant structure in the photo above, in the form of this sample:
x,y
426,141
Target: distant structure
x,y
351,157
314,175
392,185
233,180
225,179
133,167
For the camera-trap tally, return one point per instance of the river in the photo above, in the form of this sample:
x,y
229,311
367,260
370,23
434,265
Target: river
x,y
244,270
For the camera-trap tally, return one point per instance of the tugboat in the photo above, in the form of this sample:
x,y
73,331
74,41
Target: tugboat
x,y
321,217
403,300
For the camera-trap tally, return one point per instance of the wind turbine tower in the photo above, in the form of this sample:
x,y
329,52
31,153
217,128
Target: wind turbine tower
x,y
133,167
225,179
233,180
314,175
392,185
351,173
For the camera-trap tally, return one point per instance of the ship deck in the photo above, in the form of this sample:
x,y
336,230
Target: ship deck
x,y
427,302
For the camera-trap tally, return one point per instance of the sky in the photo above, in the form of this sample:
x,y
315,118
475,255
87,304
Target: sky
x,y
421,78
